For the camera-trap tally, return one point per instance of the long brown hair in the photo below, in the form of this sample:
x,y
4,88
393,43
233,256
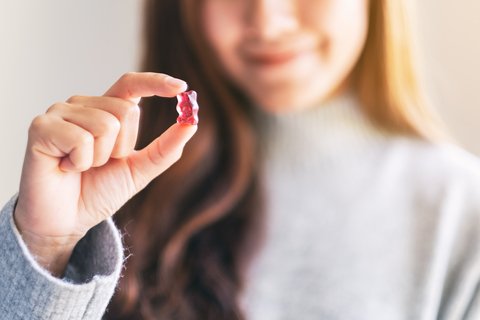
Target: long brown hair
x,y
194,229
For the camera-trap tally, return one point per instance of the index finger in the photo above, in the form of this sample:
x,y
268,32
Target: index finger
x,y
135,85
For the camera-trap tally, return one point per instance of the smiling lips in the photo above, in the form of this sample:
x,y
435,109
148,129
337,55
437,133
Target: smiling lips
x,y
269,55
272,58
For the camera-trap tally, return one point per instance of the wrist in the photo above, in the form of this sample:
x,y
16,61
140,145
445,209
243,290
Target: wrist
x,y
50,252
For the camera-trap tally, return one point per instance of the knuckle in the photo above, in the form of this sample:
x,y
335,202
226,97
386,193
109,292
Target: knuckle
x,y
129,111
133,111
85,139
74,99
37,124
168,157
108,125
112,124
126,77
56,107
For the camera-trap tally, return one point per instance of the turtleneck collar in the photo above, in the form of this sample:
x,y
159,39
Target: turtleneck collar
x,y
329,132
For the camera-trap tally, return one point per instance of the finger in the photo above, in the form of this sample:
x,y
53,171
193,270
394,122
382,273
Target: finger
x,y
103,126
127,113
135,85
71,145
159,155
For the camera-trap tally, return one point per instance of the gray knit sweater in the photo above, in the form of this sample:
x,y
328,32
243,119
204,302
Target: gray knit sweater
x,y
362,225
29,292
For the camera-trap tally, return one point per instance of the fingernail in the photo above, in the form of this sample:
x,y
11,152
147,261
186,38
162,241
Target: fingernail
x,y
175,83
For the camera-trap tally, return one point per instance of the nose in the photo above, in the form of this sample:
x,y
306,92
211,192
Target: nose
x,y
270,19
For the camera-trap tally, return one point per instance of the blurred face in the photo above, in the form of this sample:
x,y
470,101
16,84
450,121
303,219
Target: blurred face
x,y
287,54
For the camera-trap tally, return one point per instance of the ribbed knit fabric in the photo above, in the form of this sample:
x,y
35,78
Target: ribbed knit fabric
x,y
362,225
27,291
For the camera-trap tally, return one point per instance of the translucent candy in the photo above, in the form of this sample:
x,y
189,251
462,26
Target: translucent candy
x,y
187,108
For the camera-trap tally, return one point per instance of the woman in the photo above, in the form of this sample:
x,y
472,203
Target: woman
x,y
310,113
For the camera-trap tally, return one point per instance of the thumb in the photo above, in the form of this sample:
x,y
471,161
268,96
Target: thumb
x,y
159,155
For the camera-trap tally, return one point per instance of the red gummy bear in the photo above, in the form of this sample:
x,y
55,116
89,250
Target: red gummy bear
x,y
187,108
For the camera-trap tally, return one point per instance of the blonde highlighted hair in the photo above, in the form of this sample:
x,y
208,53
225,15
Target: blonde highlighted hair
x,y
387,75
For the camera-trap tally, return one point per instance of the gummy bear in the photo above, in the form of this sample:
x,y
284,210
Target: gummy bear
x,y
187,108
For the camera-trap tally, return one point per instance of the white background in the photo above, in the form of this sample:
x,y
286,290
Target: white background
x,y
52,49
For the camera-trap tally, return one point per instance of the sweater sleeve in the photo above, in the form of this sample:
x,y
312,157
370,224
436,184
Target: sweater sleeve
x,y
28,291
474,310
462,287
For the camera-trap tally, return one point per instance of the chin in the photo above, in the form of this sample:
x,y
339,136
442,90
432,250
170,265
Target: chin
x,y
272,103
294,94
282,102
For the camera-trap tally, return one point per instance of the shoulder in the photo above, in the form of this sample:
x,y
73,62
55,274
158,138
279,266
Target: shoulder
x,y
440,162
438,173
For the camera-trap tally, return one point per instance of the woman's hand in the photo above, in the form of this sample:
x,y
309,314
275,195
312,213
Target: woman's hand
x,y
81,167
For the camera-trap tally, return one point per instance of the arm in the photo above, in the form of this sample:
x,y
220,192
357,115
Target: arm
x,y
60,253
81,165
30,292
